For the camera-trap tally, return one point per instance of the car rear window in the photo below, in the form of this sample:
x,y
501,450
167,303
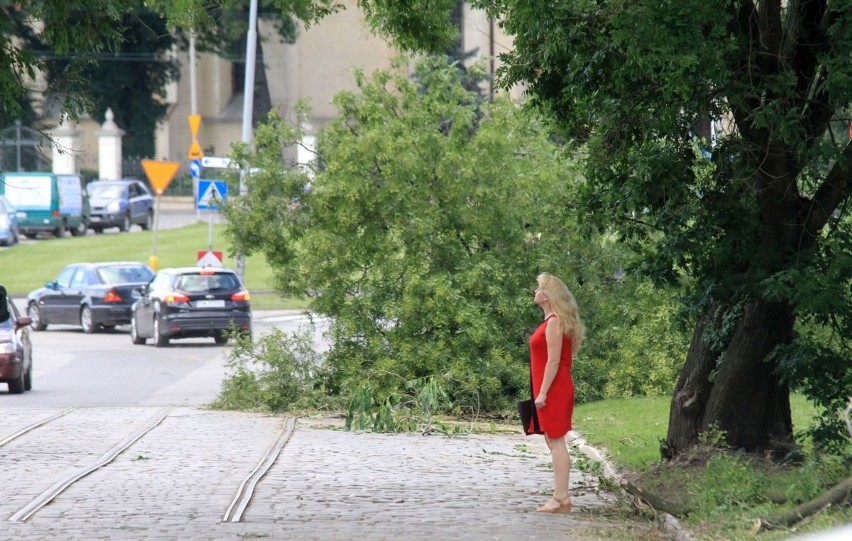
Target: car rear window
x,y
193,283
126,274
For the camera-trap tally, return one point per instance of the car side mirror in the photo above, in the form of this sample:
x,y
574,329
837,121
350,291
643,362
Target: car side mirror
x,y
24,321
51,285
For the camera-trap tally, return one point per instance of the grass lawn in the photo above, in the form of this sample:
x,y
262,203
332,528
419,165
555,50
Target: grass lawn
x,y
26,267
725,491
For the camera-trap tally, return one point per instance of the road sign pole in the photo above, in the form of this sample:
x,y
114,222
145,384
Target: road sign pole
x,y
160,174
210,231
154,261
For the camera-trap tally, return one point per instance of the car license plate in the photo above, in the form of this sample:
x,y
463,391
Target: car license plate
x,y
210,304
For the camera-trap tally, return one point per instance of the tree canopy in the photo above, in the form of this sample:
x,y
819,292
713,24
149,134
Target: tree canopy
x,y
753,212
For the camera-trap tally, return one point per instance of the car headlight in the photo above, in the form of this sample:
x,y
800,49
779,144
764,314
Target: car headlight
x,y
113,207
7,348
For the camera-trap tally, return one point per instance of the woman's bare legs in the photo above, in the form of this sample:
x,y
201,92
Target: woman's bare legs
x,y
561,473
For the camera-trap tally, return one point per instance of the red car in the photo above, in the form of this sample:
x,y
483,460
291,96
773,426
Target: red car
x,y
16,351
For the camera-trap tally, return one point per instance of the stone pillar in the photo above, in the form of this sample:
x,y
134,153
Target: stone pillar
x,y
66,147
109,148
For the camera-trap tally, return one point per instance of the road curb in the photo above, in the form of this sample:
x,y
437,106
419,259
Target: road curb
x,y
669,524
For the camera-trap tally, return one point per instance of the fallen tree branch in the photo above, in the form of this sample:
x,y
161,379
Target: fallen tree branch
x,y
658,503
840,493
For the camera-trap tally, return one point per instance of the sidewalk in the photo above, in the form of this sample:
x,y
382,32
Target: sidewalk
x,y
327,483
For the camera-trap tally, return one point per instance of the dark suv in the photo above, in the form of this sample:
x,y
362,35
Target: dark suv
x,y
119,203
190,302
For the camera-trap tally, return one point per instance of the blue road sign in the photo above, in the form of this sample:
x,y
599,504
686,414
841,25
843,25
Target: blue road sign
x,y
210,192
195,168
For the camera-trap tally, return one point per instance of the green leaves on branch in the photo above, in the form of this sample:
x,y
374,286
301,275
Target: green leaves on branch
x,y
419,232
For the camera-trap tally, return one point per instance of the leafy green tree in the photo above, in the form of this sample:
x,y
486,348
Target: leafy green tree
x,y
85,33
67,27
130,79
755,219
420,237
416,235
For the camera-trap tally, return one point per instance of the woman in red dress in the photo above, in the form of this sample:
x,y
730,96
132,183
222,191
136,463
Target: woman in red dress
x,y
552,347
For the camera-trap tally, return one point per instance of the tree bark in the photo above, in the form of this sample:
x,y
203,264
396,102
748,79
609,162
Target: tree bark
x,y
840,493
749,403
657,502
692,390
741,394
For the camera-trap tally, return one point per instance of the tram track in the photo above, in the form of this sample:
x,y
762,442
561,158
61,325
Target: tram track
x,y
245,492
62,484
32,426
163,445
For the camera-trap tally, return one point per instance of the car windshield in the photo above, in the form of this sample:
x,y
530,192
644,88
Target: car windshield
x,y
196,283
106,191
125,274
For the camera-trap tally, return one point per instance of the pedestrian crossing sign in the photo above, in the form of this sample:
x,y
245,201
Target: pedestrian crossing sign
x,y
210,194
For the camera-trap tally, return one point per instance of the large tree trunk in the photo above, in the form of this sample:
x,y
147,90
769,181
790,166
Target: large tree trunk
x,y
740,394
686,413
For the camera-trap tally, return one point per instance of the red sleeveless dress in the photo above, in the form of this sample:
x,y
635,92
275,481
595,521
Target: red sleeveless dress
x,y
555,417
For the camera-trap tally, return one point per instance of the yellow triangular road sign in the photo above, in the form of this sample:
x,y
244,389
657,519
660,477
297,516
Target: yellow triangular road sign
x,y
160,173
195,152
194,122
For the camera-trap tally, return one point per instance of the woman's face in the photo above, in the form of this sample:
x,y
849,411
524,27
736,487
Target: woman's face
x,y
540,297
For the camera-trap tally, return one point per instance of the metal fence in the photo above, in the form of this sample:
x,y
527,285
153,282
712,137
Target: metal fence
x,y
181,185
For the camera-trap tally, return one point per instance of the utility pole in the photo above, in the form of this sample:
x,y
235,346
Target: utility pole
x,y
248,110
193,105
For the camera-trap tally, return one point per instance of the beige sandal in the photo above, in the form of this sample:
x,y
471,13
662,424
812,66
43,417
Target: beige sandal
x,y
556,507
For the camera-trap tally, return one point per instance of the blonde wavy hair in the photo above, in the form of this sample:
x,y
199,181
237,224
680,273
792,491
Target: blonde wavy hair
x,y
564,305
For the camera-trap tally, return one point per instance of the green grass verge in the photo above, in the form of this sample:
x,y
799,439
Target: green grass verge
x,y
631,428
26,267
727,492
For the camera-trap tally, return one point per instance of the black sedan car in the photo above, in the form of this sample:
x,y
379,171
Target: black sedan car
x,y
16,350
191,302
91,295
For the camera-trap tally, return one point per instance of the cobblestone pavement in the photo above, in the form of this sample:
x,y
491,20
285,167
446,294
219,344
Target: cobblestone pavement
x,y
177,481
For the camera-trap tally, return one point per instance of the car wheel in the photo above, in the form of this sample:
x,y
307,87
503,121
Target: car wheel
x,y
60,231
28,379
125,223
159,340
220,337
16,386
86,321
149,221
134,333
80,230
35,314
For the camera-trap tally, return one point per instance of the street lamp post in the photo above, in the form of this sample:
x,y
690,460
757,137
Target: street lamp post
x,y
248,109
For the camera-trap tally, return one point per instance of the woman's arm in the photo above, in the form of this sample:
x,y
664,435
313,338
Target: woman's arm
x,y
553,336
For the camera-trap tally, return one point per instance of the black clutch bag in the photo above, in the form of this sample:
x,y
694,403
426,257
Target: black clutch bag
x,y
529,417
